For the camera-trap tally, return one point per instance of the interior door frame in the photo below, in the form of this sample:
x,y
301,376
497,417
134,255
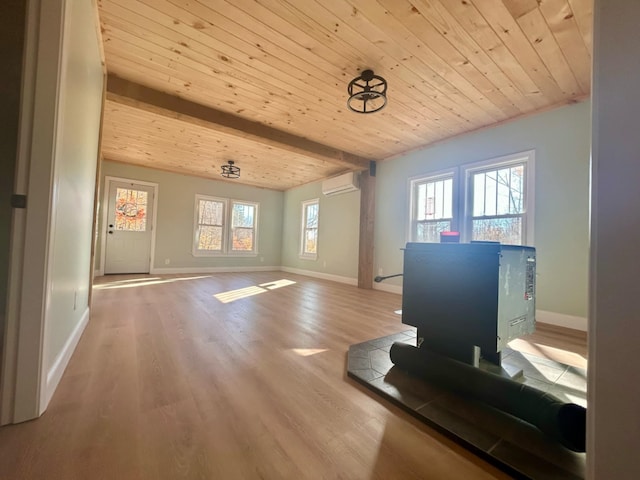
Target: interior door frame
x,y
105,212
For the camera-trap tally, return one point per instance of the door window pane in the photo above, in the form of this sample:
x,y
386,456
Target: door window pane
x,y
131,210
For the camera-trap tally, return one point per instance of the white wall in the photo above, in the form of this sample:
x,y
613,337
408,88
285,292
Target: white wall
x,y
560,139
73,179
614,382
338,232
58,151
175,216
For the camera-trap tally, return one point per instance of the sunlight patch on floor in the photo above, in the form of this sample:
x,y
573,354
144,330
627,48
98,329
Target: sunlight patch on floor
x,y
545,351
277,284
306,352
233,295
143,282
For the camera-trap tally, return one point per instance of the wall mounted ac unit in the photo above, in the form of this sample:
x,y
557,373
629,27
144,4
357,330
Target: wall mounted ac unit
x,y
347,182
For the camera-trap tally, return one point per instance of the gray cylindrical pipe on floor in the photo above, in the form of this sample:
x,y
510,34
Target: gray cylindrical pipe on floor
x,y
565,422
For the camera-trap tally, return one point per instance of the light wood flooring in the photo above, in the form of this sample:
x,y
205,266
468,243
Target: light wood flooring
x,y
234,376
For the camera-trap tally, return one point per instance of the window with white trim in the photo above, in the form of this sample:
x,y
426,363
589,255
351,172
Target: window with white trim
x,y
432,207
209,228
220,230
244,217
309,236
490,201
497,204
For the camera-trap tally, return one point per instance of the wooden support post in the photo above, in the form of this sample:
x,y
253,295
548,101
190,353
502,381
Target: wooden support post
x,y
367,218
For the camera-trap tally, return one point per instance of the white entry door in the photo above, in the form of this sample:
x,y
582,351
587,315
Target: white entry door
x,y
129,228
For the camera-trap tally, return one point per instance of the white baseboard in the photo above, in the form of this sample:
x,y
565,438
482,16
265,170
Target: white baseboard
x,y
324,276
62,360
562,320
176,270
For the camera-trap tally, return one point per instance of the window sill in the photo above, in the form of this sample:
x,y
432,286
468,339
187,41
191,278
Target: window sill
x,y
308,257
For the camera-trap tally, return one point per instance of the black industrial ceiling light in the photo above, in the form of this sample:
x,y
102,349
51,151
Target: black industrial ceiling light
x,y
230,170
367,93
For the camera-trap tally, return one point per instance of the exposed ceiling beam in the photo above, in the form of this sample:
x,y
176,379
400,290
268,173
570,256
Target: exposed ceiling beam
x,y
138,96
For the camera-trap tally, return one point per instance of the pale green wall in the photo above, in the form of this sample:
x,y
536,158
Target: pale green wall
x,y
559,137
74,178
338,231
561,140
176,200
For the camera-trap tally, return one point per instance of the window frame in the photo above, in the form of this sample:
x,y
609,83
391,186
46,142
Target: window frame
x,y
196,226
230,251
414,182
462,201
303,230
528,216
227,229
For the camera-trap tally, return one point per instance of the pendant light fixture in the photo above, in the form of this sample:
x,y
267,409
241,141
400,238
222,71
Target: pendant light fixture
x,y
230,170
367,93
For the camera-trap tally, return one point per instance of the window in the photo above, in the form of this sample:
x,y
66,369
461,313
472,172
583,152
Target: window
x,y
210,213
131,210
494,204
497,204
221,232
432,207
309,240
243,226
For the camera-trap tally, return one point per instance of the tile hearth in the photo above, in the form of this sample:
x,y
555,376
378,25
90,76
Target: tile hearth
x,y
506,441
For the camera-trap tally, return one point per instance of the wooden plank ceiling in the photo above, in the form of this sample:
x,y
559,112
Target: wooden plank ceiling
x,y
193,84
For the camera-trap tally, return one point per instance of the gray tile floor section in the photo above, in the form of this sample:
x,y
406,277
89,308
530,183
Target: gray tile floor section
x,y
506,441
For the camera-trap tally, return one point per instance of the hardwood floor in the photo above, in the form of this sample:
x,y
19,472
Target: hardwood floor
x,y
229,376
563,345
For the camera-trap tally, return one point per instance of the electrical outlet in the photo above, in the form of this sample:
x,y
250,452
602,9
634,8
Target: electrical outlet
x,y
167,261
324,264
262,259
380,272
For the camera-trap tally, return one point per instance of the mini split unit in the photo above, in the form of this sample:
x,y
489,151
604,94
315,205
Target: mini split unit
x,y
345,183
